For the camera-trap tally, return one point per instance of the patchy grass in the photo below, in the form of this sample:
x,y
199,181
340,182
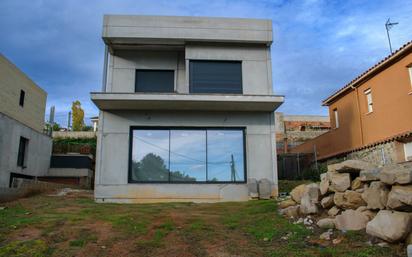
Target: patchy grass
x,y
76,226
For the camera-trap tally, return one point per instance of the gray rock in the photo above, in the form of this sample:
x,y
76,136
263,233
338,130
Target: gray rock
x,y
252,186
352,166
326,223
391,226
351,220
369,174
298,192
349,200
339,182
327,201
265,189
333,211
310,199
396,173
324,183
291,211
400,198
376,195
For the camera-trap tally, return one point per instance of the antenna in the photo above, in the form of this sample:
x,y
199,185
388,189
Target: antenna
x,y
388,26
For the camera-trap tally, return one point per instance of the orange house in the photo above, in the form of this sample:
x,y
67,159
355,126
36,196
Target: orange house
x,y
371,117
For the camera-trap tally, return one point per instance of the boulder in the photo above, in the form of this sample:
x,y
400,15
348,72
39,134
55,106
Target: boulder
x,y
287,203
313,191
298,192
333,211
351,220
369,174
307,206
356,184
400,198
352,166
265,188
324,183
408,240
349,200
291,211
326,223
376,195
396,173
364,210
252,186
327,201
390,226
339,182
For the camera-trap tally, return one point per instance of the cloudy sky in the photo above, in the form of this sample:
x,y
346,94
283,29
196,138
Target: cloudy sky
x,y
318,45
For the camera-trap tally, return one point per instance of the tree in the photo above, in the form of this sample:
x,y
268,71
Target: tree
x,y
77,116
56,127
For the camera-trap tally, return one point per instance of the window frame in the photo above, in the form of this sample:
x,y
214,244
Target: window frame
x,y
409,67
22,154
369,96
129,170
214,60
154,92
336,117
22,97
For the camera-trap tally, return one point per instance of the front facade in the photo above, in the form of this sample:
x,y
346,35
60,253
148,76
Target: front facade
x,y
186,112
371,117
25,150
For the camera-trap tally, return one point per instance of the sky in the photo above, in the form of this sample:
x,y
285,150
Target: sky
x,y
318,46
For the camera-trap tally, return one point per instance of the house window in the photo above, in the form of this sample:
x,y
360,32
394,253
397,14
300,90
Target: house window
x,y
21,101
215,77
187,155
159,81
368,94
410,73
22,154
335,112
408,151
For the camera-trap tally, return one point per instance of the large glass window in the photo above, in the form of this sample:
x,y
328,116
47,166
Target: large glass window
x,y
159,81
215,77
187,155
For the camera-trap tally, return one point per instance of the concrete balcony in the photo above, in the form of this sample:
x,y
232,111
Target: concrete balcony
x,y
186,102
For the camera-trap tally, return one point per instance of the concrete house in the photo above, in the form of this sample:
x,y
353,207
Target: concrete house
x,y
24,149
371,116
186,109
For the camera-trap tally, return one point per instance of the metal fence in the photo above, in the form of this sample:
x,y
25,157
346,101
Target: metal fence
x,y
297,166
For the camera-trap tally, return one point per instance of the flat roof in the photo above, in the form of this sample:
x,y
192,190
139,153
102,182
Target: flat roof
x,y
195,102
141,29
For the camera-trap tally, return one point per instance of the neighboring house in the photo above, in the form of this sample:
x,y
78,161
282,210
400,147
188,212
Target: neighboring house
x,y
25,150
372,115
293,130
186,112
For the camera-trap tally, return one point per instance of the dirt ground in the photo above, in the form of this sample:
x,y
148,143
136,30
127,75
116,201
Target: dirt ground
x,y
73,225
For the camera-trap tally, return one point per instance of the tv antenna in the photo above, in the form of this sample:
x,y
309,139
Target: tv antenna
x,y
388,26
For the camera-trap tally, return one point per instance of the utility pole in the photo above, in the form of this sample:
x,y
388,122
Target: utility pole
x,y
69,120
232,168
388,26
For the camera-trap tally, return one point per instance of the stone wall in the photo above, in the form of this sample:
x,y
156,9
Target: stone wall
x,y
383,154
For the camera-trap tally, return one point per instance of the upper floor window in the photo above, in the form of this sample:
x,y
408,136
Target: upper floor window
x,y
21,101
215,77
368,94
410,73
159,81
335,112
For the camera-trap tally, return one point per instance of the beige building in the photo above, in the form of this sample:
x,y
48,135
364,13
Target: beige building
x,y
25,150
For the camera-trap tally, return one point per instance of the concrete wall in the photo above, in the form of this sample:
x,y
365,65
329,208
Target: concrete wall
x,y
256,66
12,81
112,165
38,153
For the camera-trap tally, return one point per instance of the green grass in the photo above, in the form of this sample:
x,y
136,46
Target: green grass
x,y
78,226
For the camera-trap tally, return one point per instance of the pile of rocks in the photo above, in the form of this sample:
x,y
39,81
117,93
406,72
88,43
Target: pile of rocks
x,y
357,195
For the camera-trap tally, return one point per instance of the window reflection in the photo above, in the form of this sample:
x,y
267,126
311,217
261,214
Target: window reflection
x,y
225,155
177,155
188,155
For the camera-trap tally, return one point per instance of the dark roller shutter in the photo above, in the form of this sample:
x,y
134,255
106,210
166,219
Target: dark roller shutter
x,y
154,81
216,77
